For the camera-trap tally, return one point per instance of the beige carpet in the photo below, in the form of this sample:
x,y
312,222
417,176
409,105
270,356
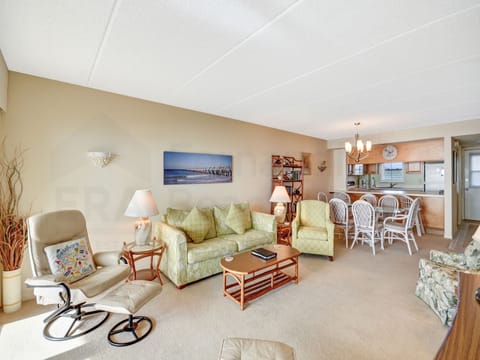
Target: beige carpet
x,y
358,307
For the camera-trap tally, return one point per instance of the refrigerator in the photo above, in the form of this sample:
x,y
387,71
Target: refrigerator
x,y
434,176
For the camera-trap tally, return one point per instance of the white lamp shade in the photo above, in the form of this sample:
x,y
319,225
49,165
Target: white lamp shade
x,y
142,204
280,195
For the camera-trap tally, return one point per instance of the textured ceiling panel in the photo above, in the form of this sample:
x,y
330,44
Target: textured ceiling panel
x,y
53,39
307,66
159,46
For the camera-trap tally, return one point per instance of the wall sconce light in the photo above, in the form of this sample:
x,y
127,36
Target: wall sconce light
x,y
100,158
323,166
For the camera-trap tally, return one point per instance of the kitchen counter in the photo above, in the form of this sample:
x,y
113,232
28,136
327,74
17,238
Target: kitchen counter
x,y
394,191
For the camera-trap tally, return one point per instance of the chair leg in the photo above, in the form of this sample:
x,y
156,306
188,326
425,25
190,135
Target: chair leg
x,y
131,326
80,322
408,244
414,241
346,237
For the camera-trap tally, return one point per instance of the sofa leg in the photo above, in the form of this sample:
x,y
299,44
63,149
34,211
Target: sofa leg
x,y
180,287
330,258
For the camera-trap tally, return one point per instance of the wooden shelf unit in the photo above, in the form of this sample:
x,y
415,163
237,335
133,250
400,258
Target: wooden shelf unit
x,y
288,171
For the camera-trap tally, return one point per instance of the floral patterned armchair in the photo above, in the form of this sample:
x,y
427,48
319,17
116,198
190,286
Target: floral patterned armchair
x,y
437,283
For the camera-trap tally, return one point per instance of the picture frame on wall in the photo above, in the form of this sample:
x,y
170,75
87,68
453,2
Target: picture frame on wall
x,y
307,163
414,167
181,168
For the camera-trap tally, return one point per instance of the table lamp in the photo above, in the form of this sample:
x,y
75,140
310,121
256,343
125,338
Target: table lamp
x,y
143,206
280,196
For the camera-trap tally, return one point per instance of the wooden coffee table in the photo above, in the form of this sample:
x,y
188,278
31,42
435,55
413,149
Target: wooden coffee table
x,y
253,277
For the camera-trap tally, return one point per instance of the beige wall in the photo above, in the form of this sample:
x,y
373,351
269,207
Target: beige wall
x,y
58,123
3,83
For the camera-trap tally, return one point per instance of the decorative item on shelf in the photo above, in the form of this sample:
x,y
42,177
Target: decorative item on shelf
x,y
100,158
358,151
323,166
280,196
13,228
143,206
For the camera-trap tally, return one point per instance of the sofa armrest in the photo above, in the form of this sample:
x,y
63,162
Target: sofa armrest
x,y
174,260
264,222
107,258
452,259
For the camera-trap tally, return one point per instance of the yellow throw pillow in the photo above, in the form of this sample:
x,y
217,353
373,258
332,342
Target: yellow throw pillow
x,y
238,218
196,225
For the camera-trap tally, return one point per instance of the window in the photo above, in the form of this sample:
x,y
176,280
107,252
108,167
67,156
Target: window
x,y
475,170
391,172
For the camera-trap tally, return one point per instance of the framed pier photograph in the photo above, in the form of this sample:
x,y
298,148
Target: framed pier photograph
x,y
192,168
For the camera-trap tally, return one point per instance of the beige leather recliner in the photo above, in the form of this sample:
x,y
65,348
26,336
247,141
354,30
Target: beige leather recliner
x,y
55,228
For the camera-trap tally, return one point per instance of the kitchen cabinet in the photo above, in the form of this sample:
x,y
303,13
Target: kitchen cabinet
x,y
424,150
371,169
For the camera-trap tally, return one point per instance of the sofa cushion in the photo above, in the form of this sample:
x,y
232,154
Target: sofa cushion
x,y
196,225
250,239
209,249
312,232
175,217
238,218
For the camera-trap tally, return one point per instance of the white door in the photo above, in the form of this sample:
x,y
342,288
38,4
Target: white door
x,y
472,184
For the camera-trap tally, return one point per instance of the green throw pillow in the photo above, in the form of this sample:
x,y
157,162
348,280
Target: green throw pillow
x,y
238,218
208,212
220,213
196,225
176,217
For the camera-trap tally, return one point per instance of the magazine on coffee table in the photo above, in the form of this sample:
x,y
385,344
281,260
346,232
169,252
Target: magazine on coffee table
x,y
264,253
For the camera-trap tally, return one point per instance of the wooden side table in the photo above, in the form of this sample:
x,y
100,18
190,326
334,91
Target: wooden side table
x,y
284,232
153,250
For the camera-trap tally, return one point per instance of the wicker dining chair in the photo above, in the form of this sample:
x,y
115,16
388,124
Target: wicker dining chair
x,y
400,227
340,218
405,203
342,195
366,226
321,196
370,198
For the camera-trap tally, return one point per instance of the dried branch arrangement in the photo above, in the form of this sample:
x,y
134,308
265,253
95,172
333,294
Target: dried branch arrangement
x,y
13,228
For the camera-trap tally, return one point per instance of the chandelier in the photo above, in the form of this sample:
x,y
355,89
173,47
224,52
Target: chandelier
x,y
359,151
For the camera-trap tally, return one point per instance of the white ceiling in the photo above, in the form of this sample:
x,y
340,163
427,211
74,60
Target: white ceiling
x,y
312,67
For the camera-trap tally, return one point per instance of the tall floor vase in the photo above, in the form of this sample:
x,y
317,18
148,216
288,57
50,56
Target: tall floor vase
x,y
12,290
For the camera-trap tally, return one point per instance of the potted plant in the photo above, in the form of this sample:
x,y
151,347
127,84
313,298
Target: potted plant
x,y
13,228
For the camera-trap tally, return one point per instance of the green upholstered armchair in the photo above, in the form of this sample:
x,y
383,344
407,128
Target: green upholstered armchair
x,y
437,283
312,230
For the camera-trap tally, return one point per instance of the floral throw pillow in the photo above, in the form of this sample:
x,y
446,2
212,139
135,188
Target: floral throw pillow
x,y
70,261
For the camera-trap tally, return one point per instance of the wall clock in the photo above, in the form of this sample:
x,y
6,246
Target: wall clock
x,y
389,152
